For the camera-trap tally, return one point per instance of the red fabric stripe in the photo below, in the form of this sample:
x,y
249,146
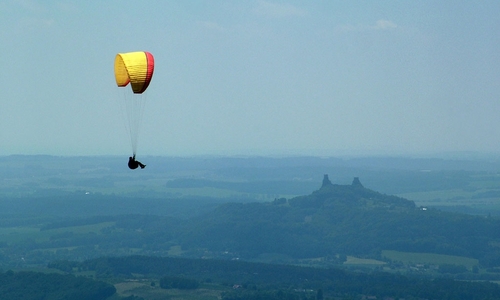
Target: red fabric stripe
x,y
151,66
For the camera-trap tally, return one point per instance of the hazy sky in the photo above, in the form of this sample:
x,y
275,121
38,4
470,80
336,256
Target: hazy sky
x,y
253,77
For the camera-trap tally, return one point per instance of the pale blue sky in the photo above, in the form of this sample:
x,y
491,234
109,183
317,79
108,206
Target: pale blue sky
x,y
253,77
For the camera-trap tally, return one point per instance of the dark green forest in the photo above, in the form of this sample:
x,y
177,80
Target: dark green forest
x,y
36,286
253,280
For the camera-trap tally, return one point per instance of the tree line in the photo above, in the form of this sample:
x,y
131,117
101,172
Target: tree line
x,y
36,285
253,279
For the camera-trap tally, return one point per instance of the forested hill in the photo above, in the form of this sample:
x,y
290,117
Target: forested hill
x,y
354,195
341,219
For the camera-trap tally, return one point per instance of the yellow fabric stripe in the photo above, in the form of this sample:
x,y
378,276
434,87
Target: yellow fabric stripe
x,y
131,67
121,74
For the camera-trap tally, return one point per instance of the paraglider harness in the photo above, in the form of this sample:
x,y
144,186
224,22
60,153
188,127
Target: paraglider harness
x,y
134,164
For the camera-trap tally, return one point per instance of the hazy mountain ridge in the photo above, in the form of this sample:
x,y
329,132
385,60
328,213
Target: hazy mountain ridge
x,y
331,222
341,219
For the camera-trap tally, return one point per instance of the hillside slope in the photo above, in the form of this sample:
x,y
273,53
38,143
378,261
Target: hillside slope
x,y
341,219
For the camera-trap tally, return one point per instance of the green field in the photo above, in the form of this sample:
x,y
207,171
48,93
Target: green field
x,y
18,234
351,260
478,189
143,288
409,258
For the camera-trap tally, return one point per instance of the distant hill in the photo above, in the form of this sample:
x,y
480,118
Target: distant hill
x,y
323,228
341,219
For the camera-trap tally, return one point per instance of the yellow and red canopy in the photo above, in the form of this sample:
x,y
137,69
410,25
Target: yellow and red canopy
x,y
135,68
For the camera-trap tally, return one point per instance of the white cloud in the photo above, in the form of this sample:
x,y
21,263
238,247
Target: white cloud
x,y
31,15
38,23
30,5
212,26
379,25
278,10
68,7
384,24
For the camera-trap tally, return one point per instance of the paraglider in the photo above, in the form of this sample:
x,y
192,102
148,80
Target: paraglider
x,y
134,164
137,69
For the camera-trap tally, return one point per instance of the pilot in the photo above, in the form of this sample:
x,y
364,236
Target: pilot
x,y
134,164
